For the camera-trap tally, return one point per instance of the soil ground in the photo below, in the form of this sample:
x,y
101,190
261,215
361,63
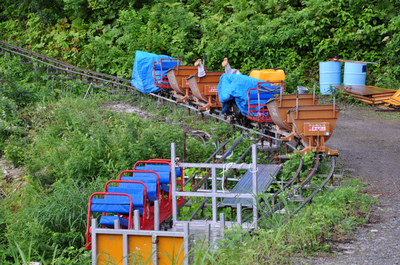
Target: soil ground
x,y
369,149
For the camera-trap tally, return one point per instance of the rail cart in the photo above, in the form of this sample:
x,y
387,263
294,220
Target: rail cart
x,y
160,69
257,100
205,90
140,213
279,107
177,77
315,125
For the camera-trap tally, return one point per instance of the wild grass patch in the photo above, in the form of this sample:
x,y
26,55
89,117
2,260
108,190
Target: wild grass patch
x,y
331,218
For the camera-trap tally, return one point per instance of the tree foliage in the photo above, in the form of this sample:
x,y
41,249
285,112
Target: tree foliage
x,y
289,34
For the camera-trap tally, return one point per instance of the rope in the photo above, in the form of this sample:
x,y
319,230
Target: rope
x,y
255,171
227,167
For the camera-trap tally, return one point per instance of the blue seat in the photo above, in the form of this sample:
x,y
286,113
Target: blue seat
x,y
150,181
164,187
166,65
265,93
136,193
108,221
263,96
164,176
164,173
120,203
159,168
162,168
161,68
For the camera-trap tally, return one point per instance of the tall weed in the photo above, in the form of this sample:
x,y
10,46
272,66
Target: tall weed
x,y
331,217
43,222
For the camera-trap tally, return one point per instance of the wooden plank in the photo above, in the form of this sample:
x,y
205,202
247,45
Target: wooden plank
x,y
392,102
365,90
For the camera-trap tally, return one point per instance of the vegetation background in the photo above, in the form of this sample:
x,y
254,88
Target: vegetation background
x,y
68,147
290,34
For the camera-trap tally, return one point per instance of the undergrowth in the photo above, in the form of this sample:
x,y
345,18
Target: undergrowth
x,y
331,218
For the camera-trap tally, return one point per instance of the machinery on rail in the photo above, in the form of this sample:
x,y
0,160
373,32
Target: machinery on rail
x,y
135,207
256,99
242,98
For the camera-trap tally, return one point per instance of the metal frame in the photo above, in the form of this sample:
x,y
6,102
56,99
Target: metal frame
x,y
214,194
126,232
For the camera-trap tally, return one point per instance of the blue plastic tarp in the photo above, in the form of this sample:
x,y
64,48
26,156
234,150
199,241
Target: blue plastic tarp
x,y
142,74
236,87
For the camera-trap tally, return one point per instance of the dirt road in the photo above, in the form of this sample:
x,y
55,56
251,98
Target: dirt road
x,y
369,146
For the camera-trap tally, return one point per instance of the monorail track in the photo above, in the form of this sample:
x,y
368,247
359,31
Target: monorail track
x,y
91,77
120,83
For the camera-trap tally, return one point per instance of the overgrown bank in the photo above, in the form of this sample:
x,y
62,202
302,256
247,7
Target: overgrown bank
x,y
69,148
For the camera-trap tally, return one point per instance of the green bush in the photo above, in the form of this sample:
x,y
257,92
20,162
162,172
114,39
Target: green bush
x,y
80,139
15,150
9,122
291,35
48,220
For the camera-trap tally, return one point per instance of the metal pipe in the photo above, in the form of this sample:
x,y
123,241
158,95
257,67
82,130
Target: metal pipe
x,y
136,218
214,194
186,240
239,213
255,187
94,241
173,184
222,221
116,224
184,147
208,232
154,248
315,86
125,250
156,215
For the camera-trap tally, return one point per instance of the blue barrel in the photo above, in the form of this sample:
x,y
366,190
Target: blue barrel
x,y
354,74
330,74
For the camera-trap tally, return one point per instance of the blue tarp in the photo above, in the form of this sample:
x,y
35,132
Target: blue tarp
x,y
236,87
142,74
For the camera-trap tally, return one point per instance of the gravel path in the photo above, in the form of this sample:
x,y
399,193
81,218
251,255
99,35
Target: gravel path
x,y
369,148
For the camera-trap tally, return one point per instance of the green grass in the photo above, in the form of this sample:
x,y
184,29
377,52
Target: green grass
x,y
331,218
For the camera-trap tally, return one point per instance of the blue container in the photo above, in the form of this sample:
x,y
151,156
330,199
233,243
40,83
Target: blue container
x,y
354,74
330,74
